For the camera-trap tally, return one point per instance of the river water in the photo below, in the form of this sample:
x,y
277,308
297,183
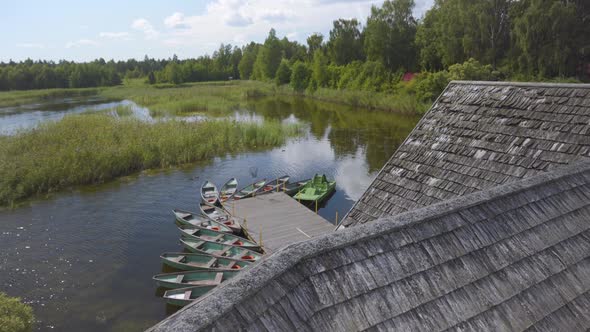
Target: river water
x,y
84,258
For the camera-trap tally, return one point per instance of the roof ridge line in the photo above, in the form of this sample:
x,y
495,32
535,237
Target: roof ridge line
x,y
525,84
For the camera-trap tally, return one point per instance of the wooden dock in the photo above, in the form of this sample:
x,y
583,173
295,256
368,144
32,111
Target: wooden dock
x,y
280,219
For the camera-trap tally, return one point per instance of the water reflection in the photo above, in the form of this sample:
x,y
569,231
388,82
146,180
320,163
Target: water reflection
x,y
377,133
13,119
84,259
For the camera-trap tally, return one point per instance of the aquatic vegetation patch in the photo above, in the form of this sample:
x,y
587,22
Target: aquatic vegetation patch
x,y
94,148
212,97
15,316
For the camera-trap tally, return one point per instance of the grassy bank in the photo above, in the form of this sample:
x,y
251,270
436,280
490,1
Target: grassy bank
x,y
15,98
219,97
212,97
86,149
401,102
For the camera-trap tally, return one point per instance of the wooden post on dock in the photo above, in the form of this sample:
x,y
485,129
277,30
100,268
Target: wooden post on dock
x,y
260,239
336,218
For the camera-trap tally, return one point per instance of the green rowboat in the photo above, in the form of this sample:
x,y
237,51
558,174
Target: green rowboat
x,y
183,296
228,190
219,250
191,219
221,216
250,190
199,233
315,190
189,262
193,278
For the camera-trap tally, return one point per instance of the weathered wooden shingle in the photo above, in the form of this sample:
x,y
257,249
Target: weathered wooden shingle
x,y
476,136
512,258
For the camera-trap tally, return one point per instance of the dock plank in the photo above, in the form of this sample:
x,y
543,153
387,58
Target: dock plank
x,y
280,218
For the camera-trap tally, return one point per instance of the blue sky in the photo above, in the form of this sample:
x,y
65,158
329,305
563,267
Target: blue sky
x,y
84,30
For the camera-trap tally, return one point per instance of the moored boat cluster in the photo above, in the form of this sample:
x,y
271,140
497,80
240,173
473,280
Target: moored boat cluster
x,y
216,245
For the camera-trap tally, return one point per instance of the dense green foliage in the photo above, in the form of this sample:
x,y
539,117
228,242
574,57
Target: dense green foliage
x,y
283,73
461,39
94,148
14,315
45,75
299,76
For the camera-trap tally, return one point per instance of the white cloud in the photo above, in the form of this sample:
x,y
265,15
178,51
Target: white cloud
x,y
115,35
81,42
176,21
275,15
239,22
146,27
30,45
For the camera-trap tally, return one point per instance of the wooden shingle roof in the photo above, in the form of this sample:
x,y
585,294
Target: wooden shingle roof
x,y
478,135
512,258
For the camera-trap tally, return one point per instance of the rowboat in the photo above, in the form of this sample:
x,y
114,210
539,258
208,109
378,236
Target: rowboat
x,y
316,190
272,185
221,216
218,237
190,261
188,218
209,192
228,189
219,249
250,190
193,278
183,296
294,187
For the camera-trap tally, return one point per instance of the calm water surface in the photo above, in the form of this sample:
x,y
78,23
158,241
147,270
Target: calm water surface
x,y
84,259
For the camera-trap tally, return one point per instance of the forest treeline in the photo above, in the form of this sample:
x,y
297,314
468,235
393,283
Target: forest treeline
x,y
455,39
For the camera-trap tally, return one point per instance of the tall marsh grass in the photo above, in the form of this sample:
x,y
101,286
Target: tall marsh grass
x,y
94,148
14,98
212,97
400,101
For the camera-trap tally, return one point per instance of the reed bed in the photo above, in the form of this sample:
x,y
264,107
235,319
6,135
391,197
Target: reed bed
x,y
94,148
399,102
15,98
213,97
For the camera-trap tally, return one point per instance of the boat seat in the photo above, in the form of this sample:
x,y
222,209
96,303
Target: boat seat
x,y
214,239
187,294
211,262
222,252
177,259
179,279
184,215
218,278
